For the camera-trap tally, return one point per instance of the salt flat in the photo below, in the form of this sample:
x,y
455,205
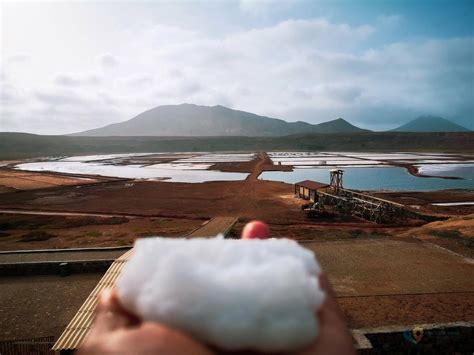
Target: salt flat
x,y
192,170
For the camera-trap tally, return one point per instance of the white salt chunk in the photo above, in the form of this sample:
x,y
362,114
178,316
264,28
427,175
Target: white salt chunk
x,y
233,294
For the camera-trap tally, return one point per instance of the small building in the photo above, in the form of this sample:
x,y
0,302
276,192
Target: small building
x,y
307,189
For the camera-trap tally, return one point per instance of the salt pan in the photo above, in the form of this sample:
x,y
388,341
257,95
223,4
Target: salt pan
x,y
233,294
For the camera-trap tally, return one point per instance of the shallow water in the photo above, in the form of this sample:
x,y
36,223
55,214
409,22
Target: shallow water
x,y
351,158
369,174
101,165
331,162
84,158
370,178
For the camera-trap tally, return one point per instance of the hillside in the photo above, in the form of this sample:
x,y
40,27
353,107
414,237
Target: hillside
x,y
23,145
188,120
338,126
430,124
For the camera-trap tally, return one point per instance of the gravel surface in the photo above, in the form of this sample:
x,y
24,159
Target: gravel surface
x,y
390,267
40,306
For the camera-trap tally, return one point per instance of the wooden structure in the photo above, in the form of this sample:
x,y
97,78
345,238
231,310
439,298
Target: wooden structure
x,y
334,197
213,227
363,206
307,189
335,176
79,326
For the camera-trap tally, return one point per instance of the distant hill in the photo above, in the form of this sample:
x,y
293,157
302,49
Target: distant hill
x,y
24,145
188,120
430,124
339,125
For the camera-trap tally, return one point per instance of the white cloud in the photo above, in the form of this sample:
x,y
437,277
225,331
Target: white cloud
x,y
108,60
262,7
139,80
75,80
312,70
19,58
10,95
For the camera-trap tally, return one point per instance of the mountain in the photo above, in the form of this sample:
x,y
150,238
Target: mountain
x,y
339,125
194,120
430,124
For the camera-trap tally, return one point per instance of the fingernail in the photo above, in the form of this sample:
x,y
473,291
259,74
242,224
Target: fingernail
x,y
106,296
256,230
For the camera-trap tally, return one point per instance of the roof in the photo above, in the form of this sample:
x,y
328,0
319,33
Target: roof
x,y
312,185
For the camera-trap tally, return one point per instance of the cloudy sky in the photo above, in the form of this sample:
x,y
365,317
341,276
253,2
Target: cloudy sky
x,y
76,65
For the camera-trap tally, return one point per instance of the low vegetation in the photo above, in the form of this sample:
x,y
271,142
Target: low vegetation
x,y
446,233
23,145
9,222
92,234
36,236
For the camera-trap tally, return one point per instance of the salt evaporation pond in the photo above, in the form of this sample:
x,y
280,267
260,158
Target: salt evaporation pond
x,y
371,171
465,171
103,165
371,178
468,203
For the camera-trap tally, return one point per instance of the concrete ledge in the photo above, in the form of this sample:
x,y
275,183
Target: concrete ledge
x,y
62,268
403,328
360,340
455,337
127,247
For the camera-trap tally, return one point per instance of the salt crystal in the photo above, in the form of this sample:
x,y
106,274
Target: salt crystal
x,y
234,294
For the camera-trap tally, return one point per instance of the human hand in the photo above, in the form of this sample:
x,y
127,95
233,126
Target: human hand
x,y
117,331
334,336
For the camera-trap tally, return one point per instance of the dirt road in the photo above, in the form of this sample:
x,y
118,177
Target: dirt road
x,y
65,214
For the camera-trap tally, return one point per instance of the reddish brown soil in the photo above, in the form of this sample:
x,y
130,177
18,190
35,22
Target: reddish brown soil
x,y
24,180
456,234
51,232
248,199
422,201
266,164
185,206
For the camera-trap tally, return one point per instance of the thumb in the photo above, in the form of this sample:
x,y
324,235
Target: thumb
x,y
256,230
110,315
